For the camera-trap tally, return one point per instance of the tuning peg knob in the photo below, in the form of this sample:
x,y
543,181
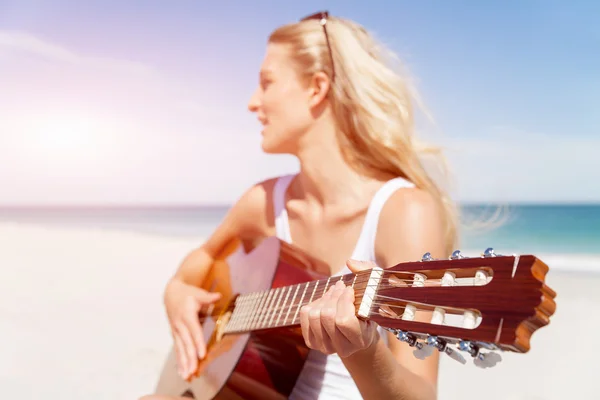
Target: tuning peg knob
x,y
489,252
455,355
468,347
456,255
422,351
487,360
434,342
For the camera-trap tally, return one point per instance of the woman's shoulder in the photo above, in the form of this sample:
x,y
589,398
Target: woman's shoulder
x,y
410,224
259,194
253,211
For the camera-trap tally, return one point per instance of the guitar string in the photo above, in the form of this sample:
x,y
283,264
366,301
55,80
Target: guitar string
x,y
271,312
435,282
372,312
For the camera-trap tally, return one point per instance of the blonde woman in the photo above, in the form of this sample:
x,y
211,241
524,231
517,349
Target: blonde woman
x,y
327,96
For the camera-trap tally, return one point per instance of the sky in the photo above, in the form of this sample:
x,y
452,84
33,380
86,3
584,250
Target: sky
x,y
145,102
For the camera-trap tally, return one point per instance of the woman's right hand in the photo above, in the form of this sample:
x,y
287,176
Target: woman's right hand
x,y
183,303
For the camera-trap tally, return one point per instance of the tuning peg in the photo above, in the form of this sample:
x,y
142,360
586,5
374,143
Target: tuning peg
x,y
468,347
422,351
487,360
442,346
425,349
481,360
456,255
455,355
406,337
427,257
489,252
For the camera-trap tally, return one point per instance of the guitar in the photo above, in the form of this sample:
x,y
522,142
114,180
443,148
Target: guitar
x,y
480,307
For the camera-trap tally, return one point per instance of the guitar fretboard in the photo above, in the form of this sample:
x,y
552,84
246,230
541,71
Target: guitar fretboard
x,y
281,306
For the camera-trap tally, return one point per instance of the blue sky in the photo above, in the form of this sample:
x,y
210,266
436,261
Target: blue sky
x,y
140,101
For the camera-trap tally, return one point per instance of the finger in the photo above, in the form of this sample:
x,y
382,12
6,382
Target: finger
x,y
315,333
305,325
209,297
180,353
189,349
323,297
195,329
329,309
357,265
346,321
333,340
308,314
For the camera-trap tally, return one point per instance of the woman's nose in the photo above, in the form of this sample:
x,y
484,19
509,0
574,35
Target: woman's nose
x,y
254,102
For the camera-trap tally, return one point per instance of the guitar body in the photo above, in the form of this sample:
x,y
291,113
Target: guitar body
x,y
256,365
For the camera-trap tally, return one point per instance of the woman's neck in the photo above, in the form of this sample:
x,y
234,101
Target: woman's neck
x,y
325,177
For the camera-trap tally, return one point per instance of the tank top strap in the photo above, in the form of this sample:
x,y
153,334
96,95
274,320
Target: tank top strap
x,y
365,247
282,226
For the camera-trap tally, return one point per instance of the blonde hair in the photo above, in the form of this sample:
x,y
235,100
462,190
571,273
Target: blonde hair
x,y
372,103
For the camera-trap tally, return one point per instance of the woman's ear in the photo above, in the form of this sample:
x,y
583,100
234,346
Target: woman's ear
x,y
319,87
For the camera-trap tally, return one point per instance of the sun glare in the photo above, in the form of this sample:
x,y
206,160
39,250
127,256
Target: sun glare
x,y
64,134
66,140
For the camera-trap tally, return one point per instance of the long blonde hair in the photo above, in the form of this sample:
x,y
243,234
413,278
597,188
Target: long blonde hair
x,y
372,102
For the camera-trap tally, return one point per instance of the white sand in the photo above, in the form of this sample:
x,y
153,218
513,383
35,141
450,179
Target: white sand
x,y
81,317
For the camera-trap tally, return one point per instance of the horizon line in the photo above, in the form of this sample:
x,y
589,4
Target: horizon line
x,y
175,205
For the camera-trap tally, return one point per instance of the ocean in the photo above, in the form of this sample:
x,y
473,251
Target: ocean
x,y
568,234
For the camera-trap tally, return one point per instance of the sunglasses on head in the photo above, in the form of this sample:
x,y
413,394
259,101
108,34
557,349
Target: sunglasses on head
x,y
322,16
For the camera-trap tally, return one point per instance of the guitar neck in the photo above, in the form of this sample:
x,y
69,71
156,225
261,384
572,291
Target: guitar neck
x,y
280,307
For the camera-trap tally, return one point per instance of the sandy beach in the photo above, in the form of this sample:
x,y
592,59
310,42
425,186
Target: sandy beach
x,y
81,317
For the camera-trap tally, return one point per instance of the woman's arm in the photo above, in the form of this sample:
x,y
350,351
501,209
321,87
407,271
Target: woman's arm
x,y
246,219
183,296
409,226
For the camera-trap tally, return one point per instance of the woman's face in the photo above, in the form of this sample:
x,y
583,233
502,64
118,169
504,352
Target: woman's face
x,y
282,102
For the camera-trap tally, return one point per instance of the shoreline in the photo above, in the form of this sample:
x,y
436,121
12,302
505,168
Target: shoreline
x,y
557,262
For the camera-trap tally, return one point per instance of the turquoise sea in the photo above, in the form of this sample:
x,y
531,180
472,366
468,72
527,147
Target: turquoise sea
x,y
568,234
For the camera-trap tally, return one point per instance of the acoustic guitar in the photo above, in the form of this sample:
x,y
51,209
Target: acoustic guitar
x,y
480,307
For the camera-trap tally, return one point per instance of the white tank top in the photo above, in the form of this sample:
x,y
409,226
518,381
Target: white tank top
x,y
325,376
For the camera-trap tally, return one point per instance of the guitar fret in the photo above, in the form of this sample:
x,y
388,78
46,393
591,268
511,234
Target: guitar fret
x,y
314,291
249,305
289,289
234,321
300,302
325,289
265,312
309,301
256,311
274,306
260,313
291,303
238,312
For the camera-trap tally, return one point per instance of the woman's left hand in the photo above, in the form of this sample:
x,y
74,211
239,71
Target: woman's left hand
x,y
330,325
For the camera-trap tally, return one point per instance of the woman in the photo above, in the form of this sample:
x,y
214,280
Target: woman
x,y
327,97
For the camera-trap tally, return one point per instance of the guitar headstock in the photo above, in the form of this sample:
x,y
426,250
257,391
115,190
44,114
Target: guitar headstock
x,y
491,302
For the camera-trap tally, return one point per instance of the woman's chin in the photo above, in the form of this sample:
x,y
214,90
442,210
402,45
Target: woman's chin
x,y
276,144
268,144
269,149
273,148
